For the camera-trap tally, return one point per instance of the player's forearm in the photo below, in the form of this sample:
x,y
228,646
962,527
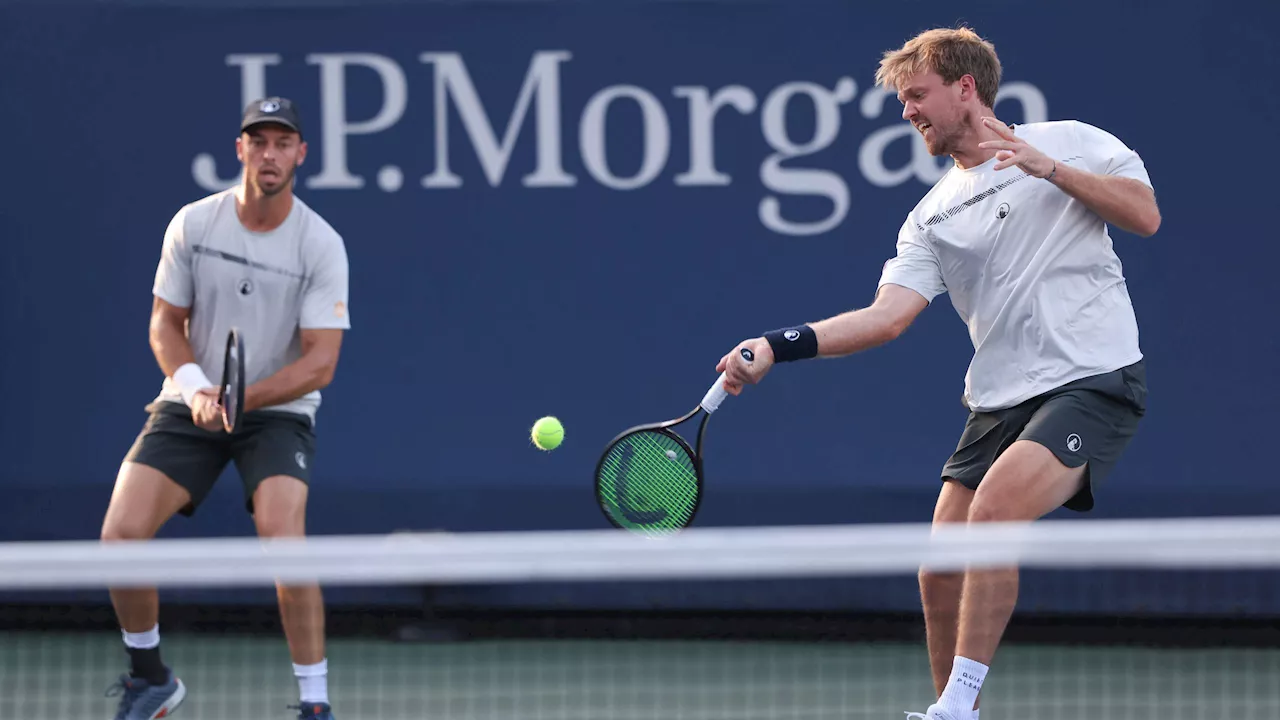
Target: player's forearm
x,y
313,371
170,345
1123,202
854,332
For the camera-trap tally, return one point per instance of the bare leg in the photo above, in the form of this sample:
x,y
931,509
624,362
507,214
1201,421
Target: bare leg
x,y
1026,483
280,504
142,502
940,591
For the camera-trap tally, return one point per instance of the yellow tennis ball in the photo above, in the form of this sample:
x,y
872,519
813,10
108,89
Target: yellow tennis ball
x,y
547,433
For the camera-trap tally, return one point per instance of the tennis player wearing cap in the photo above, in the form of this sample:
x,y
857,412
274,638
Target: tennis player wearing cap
x,y
253,256
1016,233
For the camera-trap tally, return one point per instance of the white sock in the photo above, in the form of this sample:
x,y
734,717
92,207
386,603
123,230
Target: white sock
x,y
963,687
142,640
975,715
313,682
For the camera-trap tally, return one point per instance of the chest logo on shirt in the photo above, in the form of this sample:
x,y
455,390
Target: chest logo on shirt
x,y
245,287
1002,212
961,207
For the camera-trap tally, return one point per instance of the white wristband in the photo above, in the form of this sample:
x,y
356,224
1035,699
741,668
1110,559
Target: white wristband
x,y
190,379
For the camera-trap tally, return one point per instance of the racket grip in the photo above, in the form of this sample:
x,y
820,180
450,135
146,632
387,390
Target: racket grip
x,y
716,395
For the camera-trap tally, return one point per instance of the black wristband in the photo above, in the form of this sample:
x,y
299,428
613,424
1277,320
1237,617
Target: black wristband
x,y
793,343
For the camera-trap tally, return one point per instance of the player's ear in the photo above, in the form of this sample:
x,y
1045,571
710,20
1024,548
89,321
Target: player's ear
x,y
240,147
302,153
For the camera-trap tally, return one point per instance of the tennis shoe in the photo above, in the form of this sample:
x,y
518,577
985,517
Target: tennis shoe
x,y
313,711
140,700
935,712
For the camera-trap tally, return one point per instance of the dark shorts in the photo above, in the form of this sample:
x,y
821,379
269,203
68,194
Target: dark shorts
x,y
269,443
1089,421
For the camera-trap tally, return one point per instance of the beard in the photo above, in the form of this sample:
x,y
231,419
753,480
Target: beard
x,y
944,137
285,182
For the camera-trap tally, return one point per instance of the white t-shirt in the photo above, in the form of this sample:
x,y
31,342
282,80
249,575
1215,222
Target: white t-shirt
x,y
1029,269
271,285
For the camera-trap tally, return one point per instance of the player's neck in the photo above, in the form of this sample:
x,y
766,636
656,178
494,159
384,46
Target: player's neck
x,y
262,213
968,154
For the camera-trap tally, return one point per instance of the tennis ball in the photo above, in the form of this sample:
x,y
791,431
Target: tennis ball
x,y
547,433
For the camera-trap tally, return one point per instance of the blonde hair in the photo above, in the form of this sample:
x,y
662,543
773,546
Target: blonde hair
x,y
951,53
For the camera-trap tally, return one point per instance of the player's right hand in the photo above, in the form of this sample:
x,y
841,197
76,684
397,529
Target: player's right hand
x,y
738,372
206,413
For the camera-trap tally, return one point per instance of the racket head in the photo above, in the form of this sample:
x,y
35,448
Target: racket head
x,y
649,481
231,392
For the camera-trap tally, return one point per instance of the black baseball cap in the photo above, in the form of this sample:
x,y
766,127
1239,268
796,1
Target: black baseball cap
x,y
277,110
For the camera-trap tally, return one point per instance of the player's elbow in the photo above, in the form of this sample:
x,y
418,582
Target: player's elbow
x,y
324,371
892,323
895,326
1143,214
1148,223
324,375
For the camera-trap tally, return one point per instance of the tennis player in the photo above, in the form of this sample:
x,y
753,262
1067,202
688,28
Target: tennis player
x,y
253,256
1016,232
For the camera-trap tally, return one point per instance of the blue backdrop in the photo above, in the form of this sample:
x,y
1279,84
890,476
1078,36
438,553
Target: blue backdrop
x,y
576,208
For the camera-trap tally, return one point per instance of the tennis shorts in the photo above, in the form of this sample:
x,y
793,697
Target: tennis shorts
x,y
1090,420
269,443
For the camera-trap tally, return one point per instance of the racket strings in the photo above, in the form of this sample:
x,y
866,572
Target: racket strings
x,y
650,480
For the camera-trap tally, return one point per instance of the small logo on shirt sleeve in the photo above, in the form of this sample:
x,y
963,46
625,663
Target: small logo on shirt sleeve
x,y
339,309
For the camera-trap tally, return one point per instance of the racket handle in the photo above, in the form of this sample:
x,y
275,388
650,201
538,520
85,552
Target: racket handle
x,y
716,395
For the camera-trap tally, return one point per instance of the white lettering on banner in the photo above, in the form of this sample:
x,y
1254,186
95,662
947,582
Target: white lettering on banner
x,y
334,128
702,139
657,137
542,79
800,181
782,174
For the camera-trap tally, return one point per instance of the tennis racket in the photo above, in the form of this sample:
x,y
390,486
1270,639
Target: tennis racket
x,y
231,392
649,480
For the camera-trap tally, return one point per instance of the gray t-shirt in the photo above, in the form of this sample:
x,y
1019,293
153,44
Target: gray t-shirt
x,y
1029,269
270,285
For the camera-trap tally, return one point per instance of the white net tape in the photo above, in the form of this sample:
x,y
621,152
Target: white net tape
x,y
1209,543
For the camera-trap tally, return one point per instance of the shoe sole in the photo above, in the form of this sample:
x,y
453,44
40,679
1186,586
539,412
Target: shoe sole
x,y
172,703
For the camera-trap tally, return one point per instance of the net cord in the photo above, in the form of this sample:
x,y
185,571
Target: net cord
x,y
695,553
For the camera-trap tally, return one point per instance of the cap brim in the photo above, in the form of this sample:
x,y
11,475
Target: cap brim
x,y
270,121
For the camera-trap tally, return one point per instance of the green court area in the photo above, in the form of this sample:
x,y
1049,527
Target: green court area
x,y
63,675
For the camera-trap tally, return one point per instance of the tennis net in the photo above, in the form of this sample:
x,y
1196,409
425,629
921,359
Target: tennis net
x,y
1116,620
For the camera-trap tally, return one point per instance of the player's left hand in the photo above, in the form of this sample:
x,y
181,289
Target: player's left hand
x,y
1016,151
206,413
738,372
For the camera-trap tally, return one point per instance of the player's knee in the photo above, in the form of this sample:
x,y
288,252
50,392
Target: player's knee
x,y
279,525
116,530
988,506
279,522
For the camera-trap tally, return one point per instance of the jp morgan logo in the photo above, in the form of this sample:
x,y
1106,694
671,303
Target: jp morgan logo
x,y
800,123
